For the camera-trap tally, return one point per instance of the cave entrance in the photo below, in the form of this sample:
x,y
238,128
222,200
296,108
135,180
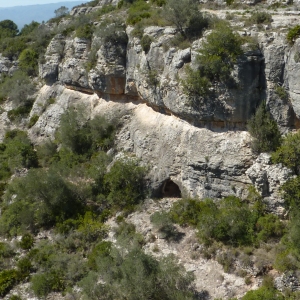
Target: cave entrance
x,y
170,189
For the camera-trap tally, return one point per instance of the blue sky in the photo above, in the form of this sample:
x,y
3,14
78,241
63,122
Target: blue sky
x,y
9,3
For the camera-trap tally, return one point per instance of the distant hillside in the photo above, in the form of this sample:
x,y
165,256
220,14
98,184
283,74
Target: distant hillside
x,y
22,15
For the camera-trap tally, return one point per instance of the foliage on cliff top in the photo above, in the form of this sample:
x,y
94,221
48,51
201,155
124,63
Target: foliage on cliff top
x,y
215,61
186,16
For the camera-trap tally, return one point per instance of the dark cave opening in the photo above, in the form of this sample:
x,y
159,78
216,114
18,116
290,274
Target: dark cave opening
x,y
170,189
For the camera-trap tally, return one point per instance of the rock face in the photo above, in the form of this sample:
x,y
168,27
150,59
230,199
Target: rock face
x,y
115,66
267,178
201,162
125,69
213,159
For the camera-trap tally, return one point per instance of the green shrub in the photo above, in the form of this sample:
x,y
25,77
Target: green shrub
x,y
152,77
85,31
261,17
137,11
84,137
126,184
112,31
179,41
264,130
146,43
29,28
232,221
17,88
291,193
17,152
44,198
289,152
219,53
229,2
103,249
90,228
195,84
138,276
17,218
229,224
33,120
186,212
8,279
6,251
159,2
24,266
185,15
15,297
282,93
269,226
163,222
28,62
44,283
263,293
216,60
12,47
22,111
27,241
293,34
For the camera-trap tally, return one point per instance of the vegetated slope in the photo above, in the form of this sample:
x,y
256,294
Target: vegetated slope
x,y
102,110
22,15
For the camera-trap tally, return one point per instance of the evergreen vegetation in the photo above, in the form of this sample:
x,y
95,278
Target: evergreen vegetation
x,y
70,186
264,130
289,152
216,59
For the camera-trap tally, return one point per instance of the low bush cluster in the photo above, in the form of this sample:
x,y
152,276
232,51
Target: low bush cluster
x,y
232,221
261,17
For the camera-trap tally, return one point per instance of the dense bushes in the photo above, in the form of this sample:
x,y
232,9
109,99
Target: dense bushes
x,y
219,53
75,175
136,275
85,31
232,222
137,11
264,130
289,152
216,59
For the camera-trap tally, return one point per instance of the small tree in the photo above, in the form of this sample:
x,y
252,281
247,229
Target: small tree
x,y
8,29
264,130
62,11
185,15
28,61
